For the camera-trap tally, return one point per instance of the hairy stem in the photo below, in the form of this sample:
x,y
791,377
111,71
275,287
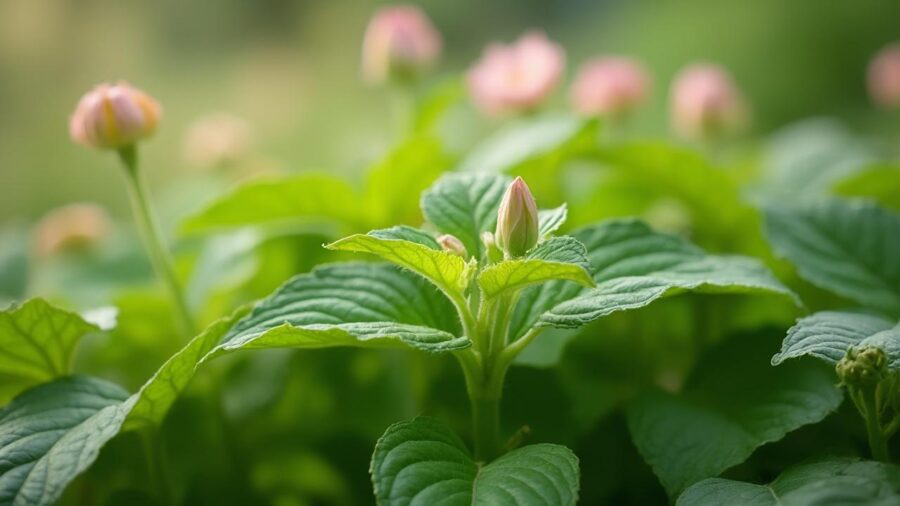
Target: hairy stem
x,y
149,231
867,403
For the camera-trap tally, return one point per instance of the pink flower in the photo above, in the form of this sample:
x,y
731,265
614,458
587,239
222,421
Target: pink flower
x,y
884,77
516,77
114,116
705,102
611,87
69,228
400,41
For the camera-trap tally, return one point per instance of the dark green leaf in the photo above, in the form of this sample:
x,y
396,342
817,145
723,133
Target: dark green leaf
x,y
421,461
734,403
849,248
838,481
828,334
465,205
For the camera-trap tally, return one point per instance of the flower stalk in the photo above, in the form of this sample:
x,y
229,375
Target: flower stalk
x,y
152,238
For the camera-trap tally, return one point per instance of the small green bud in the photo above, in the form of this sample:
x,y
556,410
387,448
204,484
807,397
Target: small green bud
x,y
451,244
490,245
862,366
517,220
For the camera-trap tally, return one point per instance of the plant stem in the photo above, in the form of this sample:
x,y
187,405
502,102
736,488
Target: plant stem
x,y
149,231
485,386
154,453
877,440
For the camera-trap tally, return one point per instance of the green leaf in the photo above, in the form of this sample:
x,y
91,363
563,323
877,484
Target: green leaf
x,y
559,258
880,183
633,266
522,141
549,220
849,248
393,185
52,433
836,481
828,334
37,342
447,271
465,205
734,403
358,304
406,233
421,461
304,199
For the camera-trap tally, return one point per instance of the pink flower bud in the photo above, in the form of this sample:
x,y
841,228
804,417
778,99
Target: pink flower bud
x,y
114,116
451,244
884,77
400,41
517,77
73,227
517,220
705,102
610,87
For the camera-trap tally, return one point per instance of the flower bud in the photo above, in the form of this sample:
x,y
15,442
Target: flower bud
x,y
517,220
517,77
884,77
113,116
490,245
400,42
453,245
609,87
862,367
70,228
705,102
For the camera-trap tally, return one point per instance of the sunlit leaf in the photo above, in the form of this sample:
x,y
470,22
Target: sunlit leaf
x,y
880,183
559,258
304,199
446,270
37,342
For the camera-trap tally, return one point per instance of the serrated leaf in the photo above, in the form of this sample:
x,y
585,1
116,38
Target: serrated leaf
x,y
849,248
37,342
518,142
633,266
421,461
350,304
550,220
306,199
406,233
446,270
52,433
734,403
828,334
837,481
558,258
465,205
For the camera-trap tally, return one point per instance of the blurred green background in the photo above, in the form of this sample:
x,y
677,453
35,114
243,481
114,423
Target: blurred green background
x,y
290,69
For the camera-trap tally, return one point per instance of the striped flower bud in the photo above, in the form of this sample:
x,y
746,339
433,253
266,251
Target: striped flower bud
x,y
517,220
113,117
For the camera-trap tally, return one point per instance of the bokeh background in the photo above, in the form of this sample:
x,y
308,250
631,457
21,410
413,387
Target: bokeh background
x,y
290,69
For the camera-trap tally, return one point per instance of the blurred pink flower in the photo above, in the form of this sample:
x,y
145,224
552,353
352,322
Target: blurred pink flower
x,y
516,77
884,77
72,227
400,41
705,102
610,86
217,140
114,116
